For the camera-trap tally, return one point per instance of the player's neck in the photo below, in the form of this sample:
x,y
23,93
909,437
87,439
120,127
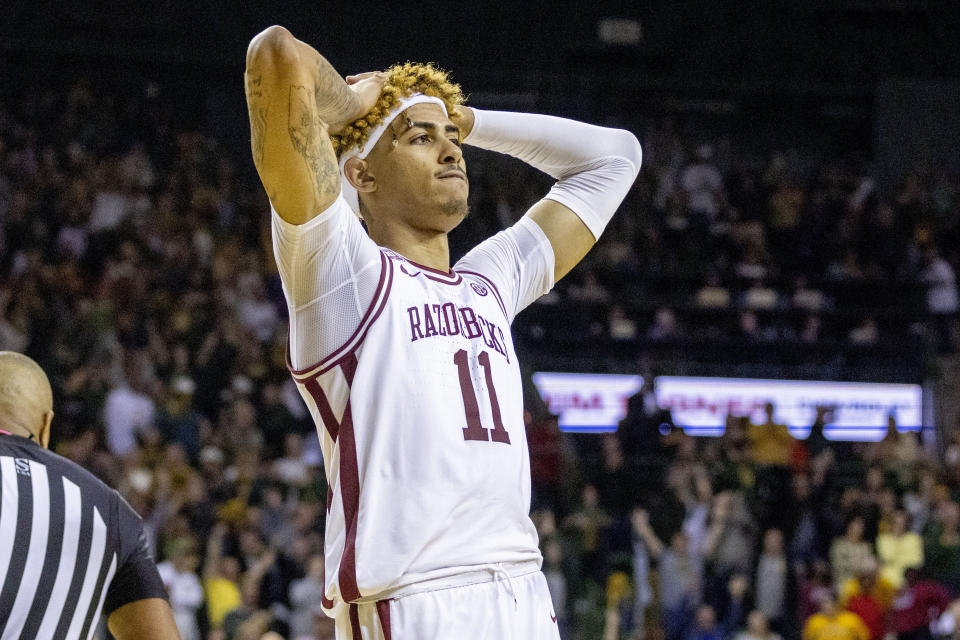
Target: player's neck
x,y
427,248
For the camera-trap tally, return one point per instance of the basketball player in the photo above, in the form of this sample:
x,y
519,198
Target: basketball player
x,y
408,365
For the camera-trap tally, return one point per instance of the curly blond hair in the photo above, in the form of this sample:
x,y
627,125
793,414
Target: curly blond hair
x,y
402,80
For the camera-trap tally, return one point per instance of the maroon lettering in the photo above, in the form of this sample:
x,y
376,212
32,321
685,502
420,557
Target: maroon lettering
x,y
450,322
471,328
494,342
499,434
474,429
484,330
430,328
440,326
503,344
415,333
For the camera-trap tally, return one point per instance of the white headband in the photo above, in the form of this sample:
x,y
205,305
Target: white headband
x,y
349,193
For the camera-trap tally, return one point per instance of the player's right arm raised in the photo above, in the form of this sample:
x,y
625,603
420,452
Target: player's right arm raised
x,y
295,99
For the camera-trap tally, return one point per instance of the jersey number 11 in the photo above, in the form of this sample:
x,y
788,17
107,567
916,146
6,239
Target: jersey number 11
x,y
474,430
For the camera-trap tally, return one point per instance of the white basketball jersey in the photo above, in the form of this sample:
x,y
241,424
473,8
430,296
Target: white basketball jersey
x,y
420,417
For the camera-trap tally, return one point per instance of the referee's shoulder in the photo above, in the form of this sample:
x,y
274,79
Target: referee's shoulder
x,y
63,466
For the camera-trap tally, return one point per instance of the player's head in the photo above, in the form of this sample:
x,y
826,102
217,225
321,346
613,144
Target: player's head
x,y
403,158
26,399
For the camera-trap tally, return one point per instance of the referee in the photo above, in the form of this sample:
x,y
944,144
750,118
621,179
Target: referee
x,y
71,548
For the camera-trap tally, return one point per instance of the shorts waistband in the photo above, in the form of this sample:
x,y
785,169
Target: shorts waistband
x,y
476,575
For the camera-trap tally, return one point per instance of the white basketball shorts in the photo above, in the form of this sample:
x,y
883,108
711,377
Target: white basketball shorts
x,y
499,608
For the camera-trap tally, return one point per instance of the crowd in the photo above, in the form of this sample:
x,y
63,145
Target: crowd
x,y
135,268
753,535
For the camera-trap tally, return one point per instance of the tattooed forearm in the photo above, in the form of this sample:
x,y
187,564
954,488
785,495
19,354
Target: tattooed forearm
x,y
258,129
336,103
257,107
309,136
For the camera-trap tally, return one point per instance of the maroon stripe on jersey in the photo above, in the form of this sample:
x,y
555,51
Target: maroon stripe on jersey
x,y
383,612
446,277
352,352
443,280
349,492
325,602
493,287
316,392
329,498
379,298
355,623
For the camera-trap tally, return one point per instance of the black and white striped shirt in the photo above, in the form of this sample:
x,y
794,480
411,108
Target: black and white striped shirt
x,y
71,548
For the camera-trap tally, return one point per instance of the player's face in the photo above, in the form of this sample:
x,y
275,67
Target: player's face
x,y
419,170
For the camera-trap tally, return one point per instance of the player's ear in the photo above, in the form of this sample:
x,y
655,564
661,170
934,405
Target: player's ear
x,y
43,437
357,172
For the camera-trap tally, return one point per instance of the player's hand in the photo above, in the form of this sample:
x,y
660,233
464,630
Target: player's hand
x,y
367,86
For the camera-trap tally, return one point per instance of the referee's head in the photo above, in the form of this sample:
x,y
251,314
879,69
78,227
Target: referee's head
x,y
26,400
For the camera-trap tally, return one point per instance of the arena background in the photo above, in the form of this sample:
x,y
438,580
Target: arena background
x,y
131,224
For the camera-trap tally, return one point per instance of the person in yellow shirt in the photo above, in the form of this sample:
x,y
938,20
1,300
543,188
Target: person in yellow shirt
x,y
832,623
899,549
868,581
221,577
770,442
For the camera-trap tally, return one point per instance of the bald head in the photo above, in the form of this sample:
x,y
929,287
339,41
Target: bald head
x,y
26,399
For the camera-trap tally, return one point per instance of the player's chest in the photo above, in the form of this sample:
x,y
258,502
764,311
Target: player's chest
x,y
437,312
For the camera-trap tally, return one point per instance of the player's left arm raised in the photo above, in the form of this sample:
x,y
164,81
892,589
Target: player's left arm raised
x,y
594,167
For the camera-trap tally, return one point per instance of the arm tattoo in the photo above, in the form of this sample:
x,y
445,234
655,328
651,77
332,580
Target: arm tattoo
x,y
308,133
257,107
331,94
258,127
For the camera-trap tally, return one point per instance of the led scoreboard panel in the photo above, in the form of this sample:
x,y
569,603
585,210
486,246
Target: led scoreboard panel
x,y
587,402
859,409
597,402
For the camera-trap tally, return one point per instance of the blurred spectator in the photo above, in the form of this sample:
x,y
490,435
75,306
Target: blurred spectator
x,y
870,596
306,596
621,326
713,295
899,452
942,296
770,442
771,579
918,603
556,580
178,421
866,333
807,298
588,524
705,625
128,409
833,623
815,586
942,548
729,544
919,502
680,569
757,629
759,296
899,549
589,289
664,326
702,184
186,594
221,578
849,552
